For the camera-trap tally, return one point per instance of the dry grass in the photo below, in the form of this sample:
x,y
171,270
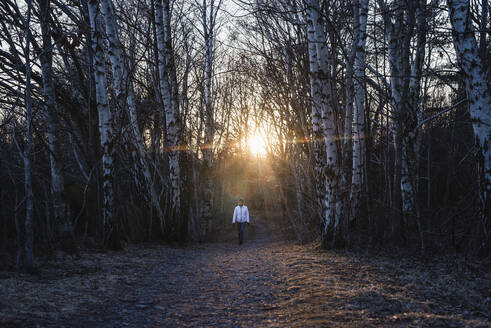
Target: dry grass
x,y
264,283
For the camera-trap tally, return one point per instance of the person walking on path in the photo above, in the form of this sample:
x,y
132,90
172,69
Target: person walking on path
x,y
241,218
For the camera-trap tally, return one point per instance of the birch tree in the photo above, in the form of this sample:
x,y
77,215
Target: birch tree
x,y
412,145
61,215
28,263
208,16
359,134
317,127
322,108
478,93
169,95
399,26
126,99
355,114
111,225
347,146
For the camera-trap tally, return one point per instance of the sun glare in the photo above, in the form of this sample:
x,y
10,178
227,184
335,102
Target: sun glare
x,y
257,145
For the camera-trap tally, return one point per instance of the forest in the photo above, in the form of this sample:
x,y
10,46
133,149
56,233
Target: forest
x,y
129,126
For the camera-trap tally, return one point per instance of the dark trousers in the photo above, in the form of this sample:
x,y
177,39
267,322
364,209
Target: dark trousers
x,y
240,230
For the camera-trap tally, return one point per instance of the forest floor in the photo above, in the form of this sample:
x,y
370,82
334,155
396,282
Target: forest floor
x,y
266,282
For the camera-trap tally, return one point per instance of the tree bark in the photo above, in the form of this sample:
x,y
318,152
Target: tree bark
x,y
61,217
399,34
168,89
359,130
322,102
317,126
28,263
478,96
125,94
208,22
111,224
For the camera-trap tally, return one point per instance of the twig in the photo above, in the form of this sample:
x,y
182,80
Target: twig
x,y
439,113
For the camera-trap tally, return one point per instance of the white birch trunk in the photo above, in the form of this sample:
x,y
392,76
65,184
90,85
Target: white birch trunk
x,y
347,148
409,146
28,246
208,22
398,35
208,27
125,93
322,98
411,153
57,180
105,119
168,89
478,93
317,126
359,148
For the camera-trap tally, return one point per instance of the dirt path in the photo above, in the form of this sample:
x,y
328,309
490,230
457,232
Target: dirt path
x,y
263,283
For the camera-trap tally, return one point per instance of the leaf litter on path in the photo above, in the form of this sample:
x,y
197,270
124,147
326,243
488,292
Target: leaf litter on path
x,y
263,283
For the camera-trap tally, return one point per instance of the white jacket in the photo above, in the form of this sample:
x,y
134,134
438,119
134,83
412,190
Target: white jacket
x,y
241,214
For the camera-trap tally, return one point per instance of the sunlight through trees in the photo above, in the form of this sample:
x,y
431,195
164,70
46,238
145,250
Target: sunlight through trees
x,y
360,122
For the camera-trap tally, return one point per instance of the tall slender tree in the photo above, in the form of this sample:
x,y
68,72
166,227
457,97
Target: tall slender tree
x,y
169,95
478,95
126,99
322,102
359,131
61,215
28,264
208,17
111,224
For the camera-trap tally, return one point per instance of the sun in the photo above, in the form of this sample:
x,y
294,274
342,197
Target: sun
x,y
257,145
